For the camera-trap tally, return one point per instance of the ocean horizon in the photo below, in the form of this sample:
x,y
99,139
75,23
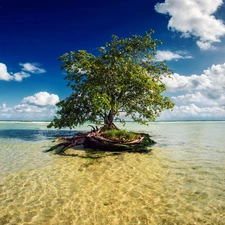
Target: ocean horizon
x,y
180,181
128,121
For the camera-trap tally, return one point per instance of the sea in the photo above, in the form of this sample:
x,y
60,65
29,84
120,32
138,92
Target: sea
x,y
180,180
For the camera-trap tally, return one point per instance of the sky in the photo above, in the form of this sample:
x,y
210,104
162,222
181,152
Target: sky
x,y
33,34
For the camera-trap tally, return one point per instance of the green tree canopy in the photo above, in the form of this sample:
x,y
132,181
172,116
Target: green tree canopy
x,y
123,79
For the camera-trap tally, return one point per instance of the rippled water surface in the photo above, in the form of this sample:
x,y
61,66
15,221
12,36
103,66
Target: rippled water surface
x,y
181,181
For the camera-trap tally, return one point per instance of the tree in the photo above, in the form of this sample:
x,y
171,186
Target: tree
x,y
123,79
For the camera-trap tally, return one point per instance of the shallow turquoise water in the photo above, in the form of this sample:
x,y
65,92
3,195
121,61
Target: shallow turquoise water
x,y
182,181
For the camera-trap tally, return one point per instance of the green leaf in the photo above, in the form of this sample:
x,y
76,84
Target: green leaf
x,y
122,78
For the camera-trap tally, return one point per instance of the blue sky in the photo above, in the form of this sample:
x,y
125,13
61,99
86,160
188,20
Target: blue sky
x,y
35,33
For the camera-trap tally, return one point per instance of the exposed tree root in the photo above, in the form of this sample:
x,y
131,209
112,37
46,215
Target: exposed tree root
x,y
96,141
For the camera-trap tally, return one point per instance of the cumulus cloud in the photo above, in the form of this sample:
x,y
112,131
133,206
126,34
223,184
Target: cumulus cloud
x,y
168,55
205,45
199,99
27,68
201,96
4,108
41,107
194,18
178,82
4,75
194,112
27,112
42,99
5,112
20,75
32,68
25,108
211,80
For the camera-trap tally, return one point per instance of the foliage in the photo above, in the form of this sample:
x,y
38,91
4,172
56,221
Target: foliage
x,y
120,135
124,79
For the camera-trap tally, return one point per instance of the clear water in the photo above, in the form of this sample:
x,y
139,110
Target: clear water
x,y
182,180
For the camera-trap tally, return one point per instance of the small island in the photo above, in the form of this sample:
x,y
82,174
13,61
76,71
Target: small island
x,y
113,140
123,81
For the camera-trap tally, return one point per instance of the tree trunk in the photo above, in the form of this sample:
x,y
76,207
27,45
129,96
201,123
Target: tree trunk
x,y
108,120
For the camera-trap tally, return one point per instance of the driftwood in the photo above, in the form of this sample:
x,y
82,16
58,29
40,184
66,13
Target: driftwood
x,y
96,141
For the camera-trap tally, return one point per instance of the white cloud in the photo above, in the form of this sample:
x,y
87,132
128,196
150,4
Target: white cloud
x,y
31,68
198,96
42,99
20,75
193,112
194,17
25,108
4,108
212,79
27,111
168,55
205,45
4,75
216,74
186,83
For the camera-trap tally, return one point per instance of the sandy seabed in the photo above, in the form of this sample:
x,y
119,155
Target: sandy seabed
x,y
100,189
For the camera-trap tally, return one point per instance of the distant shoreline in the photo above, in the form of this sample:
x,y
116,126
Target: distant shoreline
x,y
158,121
